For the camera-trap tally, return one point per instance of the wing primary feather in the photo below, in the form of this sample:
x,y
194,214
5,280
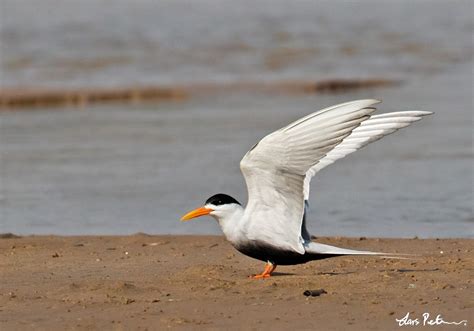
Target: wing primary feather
x,y
348,106
416,113
318,123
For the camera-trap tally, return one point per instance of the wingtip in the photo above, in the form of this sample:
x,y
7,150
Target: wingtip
x,y
371,101
424,112
362,102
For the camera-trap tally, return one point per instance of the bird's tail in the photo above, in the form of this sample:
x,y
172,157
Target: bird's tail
x,y
322,249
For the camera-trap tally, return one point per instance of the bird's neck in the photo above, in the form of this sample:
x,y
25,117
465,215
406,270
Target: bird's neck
x,y
232,224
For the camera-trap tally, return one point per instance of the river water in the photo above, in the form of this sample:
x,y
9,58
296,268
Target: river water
x,y
122,169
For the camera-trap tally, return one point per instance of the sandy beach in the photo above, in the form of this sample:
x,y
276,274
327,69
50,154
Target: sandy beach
x,y
201,282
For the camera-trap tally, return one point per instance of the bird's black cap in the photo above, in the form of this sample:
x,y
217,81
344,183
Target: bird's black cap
x,y
221,199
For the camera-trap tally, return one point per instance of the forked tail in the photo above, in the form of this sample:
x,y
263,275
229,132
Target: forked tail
x,y
317,248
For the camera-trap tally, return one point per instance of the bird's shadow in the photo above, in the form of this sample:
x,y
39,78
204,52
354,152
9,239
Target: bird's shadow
x,y
278,274
329,273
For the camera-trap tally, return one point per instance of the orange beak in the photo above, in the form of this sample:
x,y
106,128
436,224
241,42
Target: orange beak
x,y
196,213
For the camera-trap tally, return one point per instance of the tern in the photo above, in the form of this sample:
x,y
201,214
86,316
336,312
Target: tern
x,y
278,171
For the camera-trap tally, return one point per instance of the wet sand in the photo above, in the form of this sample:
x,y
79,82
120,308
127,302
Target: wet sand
x,y
201,282
28,99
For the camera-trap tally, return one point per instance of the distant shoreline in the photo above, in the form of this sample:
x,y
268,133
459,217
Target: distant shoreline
x,y
10,235
22,98
157,282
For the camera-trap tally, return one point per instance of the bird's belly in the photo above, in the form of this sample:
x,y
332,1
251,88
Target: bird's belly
x,y
266,252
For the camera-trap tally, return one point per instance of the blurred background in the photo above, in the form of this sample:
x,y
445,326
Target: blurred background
x,y
127,167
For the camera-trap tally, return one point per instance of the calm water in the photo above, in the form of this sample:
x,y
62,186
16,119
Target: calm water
x,y
122,42
124,169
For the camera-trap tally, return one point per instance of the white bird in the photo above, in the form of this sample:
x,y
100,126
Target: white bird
x,y
278,171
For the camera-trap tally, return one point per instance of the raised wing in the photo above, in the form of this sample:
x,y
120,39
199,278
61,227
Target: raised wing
x,y
276,167
370,130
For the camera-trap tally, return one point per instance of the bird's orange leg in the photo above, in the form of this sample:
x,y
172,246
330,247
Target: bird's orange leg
x,y
269,268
